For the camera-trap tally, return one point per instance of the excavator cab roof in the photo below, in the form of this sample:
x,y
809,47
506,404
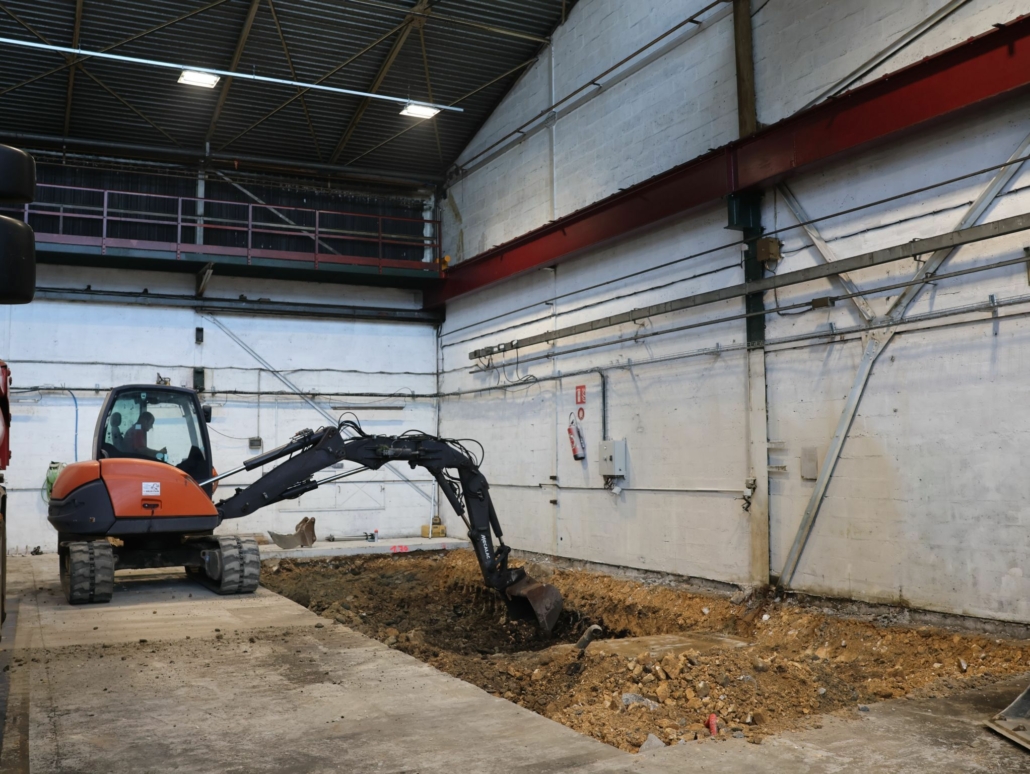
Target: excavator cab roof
x,y
155,422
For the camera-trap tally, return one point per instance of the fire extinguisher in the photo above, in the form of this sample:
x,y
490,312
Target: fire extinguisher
x,y
579,446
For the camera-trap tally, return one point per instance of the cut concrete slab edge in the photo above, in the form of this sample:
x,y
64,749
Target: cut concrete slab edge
x,y
325,549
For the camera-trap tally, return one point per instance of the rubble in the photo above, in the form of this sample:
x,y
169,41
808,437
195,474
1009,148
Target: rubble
x,y
759,667
651,743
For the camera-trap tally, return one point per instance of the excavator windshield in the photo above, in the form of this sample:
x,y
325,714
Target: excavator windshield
x,y
155,424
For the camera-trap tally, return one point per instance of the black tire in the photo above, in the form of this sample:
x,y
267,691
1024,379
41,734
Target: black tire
x,y
87,572
17,176
17,262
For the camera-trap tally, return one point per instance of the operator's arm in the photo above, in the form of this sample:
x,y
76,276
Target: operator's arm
x,y
136,443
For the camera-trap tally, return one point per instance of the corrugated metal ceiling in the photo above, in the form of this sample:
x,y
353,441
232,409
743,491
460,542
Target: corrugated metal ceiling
x,y
131,104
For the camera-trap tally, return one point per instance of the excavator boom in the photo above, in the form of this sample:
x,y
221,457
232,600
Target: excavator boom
x,y
450,463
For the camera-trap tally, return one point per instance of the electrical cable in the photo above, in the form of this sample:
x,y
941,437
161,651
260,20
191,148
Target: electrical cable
x,y
555,315
244,393
815,338
244,369
76,402
226,435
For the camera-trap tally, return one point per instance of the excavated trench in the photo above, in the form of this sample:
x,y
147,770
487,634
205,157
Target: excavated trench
x,y
667,660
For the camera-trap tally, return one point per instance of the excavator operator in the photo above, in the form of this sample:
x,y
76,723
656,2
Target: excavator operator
x,y
136,438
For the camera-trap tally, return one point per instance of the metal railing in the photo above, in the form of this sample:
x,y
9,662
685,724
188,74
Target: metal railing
x,y
201,228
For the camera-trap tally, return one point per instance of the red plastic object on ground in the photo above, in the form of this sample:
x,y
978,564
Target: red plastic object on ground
x,y
713,724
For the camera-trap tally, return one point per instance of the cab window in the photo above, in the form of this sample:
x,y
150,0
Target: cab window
x,y
158,425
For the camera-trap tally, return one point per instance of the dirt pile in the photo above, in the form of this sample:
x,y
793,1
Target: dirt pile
x,y
795,662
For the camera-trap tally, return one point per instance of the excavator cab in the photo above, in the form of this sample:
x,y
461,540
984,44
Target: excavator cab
x,y
160,423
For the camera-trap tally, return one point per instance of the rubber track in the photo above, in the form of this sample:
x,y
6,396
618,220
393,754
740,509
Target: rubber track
x,y
90,573
241,566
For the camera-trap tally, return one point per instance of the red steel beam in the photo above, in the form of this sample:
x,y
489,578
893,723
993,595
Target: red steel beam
x,y
992,65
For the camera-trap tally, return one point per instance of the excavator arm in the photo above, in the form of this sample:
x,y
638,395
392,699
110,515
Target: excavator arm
x,y
450,463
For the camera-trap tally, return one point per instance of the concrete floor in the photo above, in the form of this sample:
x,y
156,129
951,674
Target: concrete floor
x,y
170,677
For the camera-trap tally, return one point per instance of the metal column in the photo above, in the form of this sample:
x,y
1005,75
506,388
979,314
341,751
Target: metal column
x,y
745,215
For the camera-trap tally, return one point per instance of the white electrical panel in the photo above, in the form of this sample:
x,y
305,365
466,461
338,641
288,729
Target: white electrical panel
x,y
612,458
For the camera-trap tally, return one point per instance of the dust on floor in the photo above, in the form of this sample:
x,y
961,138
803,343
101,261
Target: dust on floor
x,y
776,666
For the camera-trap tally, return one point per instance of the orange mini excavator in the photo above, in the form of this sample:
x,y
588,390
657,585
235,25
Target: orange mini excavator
x,y
145,499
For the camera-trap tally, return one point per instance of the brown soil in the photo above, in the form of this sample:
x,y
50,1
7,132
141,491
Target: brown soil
x,y
798,662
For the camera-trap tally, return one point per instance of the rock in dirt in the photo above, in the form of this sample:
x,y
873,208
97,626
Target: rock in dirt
x,y
636,698
652,743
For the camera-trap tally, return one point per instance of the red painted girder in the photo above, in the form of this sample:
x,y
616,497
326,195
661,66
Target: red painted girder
x,y
992,65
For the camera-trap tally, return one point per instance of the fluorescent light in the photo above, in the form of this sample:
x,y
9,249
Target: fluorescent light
x,y
419,111
195,78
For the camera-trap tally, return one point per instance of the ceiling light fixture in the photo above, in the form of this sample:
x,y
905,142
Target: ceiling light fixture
x,y
417,110
196,78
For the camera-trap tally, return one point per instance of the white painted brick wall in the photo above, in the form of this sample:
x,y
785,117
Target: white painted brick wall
x,y
683,420
672,111
82,345
678,107
802,47
668,114
926,506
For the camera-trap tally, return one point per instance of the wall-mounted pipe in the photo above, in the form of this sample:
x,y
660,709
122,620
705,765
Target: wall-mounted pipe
x,y
911,249
604,404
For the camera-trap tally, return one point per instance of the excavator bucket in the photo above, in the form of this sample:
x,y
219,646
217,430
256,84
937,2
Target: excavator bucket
x,y
1013,722
544,599
303,536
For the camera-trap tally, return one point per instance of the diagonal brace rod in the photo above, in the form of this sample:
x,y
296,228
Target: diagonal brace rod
x,y
384,70
874,347
973,214
895,314
844,280
241,43
137,36
300,394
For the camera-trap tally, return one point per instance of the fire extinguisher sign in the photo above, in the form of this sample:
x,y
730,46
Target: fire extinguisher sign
x,y
581,394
